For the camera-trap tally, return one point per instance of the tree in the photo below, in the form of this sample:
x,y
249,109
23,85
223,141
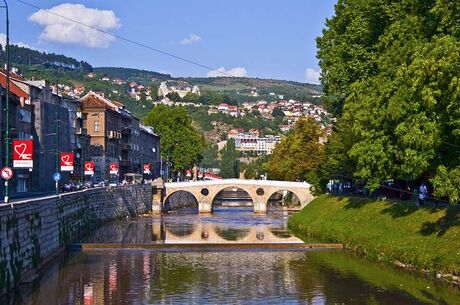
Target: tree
x,y
390,72
298,154
278,113
178,138
229,163
210,157
174,96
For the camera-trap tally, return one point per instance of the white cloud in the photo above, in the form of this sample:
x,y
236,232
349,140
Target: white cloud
x,y
312,76
192,38
18,43
58,29
221,72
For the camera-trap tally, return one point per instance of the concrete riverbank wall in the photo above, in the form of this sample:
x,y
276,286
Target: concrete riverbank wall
x,y
32,232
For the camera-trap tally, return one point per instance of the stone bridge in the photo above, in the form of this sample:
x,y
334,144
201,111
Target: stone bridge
x,y
259,191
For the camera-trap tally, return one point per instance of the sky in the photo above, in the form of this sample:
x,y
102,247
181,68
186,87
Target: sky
x,y
255,38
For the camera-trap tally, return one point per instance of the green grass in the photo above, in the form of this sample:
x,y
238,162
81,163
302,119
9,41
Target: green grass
x,y
427,238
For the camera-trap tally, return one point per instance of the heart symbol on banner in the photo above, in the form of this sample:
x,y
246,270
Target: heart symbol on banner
x,y
21,151
88,166
66,159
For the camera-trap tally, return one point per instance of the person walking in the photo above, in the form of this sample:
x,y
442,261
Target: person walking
x,y
422,192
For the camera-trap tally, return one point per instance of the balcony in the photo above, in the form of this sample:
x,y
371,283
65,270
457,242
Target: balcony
x,y
126,131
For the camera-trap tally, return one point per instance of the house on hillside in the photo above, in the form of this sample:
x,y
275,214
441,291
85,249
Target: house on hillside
x,y
223,108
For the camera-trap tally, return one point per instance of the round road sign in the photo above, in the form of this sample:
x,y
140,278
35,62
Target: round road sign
x,y
56,177
7,173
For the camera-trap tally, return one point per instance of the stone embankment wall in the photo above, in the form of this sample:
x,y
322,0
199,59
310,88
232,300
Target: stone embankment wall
x,y
34,231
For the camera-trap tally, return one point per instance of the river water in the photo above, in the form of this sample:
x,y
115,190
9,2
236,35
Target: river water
x,y
235,276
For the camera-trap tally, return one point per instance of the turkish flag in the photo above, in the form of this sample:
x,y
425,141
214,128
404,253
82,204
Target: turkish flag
x,y
67,161
23,153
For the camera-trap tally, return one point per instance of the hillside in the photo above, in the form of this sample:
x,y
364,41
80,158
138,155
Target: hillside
x,y
244,86
138,89
236,88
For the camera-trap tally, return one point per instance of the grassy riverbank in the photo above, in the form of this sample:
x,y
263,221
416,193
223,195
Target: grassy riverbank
x,y
426,238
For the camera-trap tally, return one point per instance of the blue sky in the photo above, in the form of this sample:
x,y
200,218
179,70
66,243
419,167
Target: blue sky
x,y
255,38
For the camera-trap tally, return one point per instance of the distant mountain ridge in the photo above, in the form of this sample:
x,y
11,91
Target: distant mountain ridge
x,y
26,56
130,74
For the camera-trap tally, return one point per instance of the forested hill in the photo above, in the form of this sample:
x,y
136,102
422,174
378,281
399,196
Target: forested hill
x,y
25,56
131,74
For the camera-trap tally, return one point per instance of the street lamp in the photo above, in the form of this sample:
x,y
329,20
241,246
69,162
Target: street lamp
x,y
7,106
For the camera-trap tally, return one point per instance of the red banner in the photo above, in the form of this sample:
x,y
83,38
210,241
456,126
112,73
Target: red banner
x,y
23,153
188,173
113,168
146,168
67,162
89,168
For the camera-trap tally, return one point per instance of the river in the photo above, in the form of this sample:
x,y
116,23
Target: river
x,y
219,276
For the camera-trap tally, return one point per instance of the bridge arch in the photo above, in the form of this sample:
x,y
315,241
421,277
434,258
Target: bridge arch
x,y
218,190
168,205
272,192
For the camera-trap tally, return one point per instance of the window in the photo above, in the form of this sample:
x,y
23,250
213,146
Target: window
x,y
25,116
97,126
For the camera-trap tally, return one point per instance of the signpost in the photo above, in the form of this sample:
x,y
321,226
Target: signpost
x,y
89,168
67,161
7,173
56,177
23,153
147,168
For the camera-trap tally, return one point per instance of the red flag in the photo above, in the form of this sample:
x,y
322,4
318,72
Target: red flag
x,y
23,153
113,168
89,168
67,161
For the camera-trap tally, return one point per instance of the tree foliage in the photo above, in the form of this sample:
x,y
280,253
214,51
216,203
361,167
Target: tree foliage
x,y
229,163
391,73
298,154
177,136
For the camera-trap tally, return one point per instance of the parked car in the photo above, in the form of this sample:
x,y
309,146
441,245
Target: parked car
x,y
88,185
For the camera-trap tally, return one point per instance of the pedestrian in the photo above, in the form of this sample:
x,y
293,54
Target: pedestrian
x,y
422,191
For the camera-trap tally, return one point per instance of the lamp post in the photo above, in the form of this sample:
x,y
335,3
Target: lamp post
x,y
7,106
57,134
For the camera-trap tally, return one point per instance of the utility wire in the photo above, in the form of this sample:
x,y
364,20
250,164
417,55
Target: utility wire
x,y
126,39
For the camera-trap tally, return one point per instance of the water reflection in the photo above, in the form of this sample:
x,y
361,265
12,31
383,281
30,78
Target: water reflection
x,y
143,277
224,226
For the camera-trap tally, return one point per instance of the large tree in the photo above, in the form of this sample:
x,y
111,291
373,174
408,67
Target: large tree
x,y
391,73
178,138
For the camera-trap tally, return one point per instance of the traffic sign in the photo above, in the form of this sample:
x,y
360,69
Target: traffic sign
x,y
7,173
56,177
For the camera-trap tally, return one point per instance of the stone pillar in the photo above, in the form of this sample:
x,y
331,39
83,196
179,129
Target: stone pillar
x,y
157,195
157,204
205,207
260,207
